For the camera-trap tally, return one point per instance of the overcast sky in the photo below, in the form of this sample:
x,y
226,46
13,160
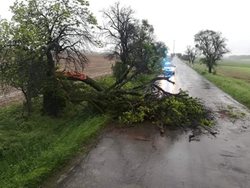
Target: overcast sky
x,y
180,20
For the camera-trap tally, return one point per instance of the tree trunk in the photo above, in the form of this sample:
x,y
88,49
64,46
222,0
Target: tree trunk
x,y
93,84
53,99
28,102
89,81
209,68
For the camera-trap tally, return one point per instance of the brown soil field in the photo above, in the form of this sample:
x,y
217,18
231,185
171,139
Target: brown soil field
x,y
98,66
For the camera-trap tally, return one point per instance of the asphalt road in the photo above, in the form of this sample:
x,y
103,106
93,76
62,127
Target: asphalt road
x,y
141,158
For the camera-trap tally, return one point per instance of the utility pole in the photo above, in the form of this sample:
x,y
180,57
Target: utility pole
x,y
174,47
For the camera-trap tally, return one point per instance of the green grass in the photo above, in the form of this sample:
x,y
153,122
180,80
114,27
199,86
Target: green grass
x,y
239,70
31,150
233,63
232,78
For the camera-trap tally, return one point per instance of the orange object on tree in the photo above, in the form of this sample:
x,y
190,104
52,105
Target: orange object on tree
x,y
76,75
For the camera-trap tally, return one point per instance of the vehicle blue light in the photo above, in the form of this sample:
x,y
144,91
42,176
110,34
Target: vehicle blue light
x,y
168,68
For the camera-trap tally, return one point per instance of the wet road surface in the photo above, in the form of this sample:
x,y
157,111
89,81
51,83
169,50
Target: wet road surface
x,y
140,158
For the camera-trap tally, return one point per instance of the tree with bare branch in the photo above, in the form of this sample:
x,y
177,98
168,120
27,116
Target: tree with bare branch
x,y
120,29
58,32
212,45
191,54
134,45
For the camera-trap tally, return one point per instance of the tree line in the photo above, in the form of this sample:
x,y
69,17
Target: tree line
x,y
43,53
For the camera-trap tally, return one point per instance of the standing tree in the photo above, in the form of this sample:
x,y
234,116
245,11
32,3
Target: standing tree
x,y
212,45
191,54
162,49
144,55
120,28
57,33
135,47
21,65
147,53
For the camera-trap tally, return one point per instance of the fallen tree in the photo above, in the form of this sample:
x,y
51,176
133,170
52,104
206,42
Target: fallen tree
x,y
140,101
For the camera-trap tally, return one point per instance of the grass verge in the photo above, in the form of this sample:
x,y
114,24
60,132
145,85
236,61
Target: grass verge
x,y
31,150
239,89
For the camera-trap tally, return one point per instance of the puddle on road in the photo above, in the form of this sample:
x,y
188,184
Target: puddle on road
x,y
140,132
148,132
167,86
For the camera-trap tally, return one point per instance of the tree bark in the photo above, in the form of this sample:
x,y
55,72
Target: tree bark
x,y
28,102
209,68
51,99
89,81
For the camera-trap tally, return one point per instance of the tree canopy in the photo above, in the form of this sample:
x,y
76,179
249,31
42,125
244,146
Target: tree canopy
x,y
135,48
212,45
45,34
